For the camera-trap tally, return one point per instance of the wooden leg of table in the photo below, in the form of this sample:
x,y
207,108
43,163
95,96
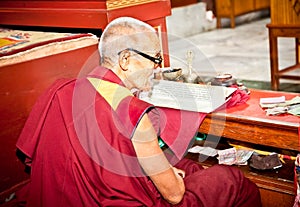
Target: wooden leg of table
x,y
219,22
273,60
232,17
232,22
297,46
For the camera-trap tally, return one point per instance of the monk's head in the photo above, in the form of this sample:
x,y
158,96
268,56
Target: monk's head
x,y
131,49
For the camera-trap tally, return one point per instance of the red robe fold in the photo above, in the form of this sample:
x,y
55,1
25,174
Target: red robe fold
x,y
81,154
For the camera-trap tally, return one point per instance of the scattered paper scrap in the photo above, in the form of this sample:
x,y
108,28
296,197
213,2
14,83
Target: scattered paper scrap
x,y
272,100
293,101
242,156
294,110
232,156
276,110
204,150
291,106
227,156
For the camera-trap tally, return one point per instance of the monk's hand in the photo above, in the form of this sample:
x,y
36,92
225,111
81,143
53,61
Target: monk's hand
x,y
179,172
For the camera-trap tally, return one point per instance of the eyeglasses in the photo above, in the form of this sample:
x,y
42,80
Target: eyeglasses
x,y
157,60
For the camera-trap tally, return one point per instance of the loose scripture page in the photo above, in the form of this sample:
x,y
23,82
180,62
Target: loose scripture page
x,y
187,96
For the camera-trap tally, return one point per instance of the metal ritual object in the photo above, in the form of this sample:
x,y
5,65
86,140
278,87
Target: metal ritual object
x,y
227,80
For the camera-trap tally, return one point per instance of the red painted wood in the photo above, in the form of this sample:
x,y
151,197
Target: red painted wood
x,y
20,86
82,14
75,14
69,14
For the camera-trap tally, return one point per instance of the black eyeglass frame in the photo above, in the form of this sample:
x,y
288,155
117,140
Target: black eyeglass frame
x,y
156,60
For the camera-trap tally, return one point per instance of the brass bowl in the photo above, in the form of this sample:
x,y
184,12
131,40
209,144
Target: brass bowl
x,y
172,74
224,80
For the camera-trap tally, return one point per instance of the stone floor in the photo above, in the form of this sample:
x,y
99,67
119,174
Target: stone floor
x,y
242,52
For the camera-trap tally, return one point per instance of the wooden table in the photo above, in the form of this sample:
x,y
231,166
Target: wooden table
x,y
248,123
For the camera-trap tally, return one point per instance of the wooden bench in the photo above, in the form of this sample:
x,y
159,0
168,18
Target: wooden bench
x,y
233,8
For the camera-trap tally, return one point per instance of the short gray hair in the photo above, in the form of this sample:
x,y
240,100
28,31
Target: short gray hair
x,y
120,34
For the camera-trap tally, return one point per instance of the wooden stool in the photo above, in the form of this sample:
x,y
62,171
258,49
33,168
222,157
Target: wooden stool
x,y
285,22
276,31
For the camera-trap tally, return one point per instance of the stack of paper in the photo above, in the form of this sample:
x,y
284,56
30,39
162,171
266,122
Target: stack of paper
x,y
187,96
279,105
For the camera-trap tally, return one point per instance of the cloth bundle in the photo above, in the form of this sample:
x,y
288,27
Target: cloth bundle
x,y
265,162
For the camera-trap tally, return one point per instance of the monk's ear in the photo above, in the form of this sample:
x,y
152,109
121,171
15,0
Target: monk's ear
x,y
124,59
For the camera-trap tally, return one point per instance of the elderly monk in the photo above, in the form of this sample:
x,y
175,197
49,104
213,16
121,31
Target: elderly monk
x,y
91,142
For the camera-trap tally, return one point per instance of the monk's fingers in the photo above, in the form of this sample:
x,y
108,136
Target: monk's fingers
x,y
179,172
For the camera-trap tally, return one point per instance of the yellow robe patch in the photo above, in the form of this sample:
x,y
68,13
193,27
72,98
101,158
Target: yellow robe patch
x,y
111,92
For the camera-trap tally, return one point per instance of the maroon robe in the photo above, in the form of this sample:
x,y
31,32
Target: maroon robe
x,y
80,153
